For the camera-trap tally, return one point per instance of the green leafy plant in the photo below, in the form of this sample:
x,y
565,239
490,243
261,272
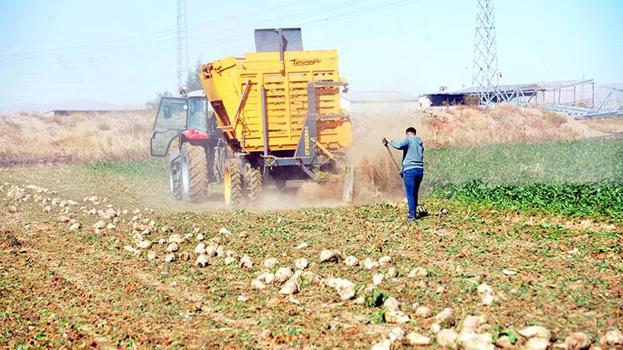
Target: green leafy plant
x,y
376,298
498,332
572,199
379,316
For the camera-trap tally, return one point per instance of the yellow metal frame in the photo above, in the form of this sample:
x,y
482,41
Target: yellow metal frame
x,y
240,116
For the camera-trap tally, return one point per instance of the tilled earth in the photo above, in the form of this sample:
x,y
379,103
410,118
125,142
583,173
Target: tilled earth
x,y
85,264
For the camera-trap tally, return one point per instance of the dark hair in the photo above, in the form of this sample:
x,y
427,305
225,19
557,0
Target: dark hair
x,y
411,129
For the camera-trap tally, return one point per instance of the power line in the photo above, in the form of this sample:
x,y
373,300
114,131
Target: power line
x,y
170,33
354,13
162,51
79,66
157,42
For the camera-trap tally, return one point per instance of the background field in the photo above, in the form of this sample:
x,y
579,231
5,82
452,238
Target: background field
x,y
472,173
31,138
550,212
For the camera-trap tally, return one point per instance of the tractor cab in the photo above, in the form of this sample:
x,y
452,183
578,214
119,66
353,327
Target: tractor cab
x,y
190,123
188,116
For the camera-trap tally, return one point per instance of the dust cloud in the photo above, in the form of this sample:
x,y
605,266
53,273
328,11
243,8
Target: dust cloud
x,y
376,177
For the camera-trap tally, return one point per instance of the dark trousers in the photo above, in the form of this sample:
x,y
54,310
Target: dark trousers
x,y
412,179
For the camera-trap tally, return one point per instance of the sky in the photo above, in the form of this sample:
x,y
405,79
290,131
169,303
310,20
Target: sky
x,y
124,52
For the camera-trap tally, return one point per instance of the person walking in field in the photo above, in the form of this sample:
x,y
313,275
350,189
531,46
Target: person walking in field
x,y
412,166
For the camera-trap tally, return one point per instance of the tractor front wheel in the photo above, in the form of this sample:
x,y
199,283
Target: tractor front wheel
x,y
194,173
232,184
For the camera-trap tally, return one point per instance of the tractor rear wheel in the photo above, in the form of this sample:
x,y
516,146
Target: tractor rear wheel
x,y
194,172
232,184
254,184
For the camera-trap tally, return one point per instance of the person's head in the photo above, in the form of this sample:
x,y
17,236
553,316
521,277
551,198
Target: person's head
x,y
410,131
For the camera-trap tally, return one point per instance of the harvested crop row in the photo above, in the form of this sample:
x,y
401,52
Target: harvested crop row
x,y
368,290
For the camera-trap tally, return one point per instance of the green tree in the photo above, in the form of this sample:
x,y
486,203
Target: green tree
x,y
192,80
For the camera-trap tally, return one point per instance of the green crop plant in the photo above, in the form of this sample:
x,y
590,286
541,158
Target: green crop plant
x,y
573,199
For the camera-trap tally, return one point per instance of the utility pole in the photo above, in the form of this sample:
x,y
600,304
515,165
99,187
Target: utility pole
x,y
485,76
182,43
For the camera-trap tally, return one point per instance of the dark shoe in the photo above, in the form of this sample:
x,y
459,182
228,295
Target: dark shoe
x,y
421,212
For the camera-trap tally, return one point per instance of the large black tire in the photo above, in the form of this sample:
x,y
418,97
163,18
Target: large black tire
x,y
253,184
232,184
194,173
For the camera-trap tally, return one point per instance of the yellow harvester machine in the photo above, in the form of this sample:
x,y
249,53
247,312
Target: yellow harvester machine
x,y
273,116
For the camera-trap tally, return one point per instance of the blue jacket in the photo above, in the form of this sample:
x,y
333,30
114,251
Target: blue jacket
x,y
412,152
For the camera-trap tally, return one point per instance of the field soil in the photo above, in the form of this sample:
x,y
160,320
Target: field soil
x,y
86,265
95,253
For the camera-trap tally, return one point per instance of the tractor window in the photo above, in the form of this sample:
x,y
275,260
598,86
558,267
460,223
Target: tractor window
x,y
170,122
198,113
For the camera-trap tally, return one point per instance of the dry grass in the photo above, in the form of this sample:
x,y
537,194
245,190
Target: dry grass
x,y
469,126
611,126
26,138
76,138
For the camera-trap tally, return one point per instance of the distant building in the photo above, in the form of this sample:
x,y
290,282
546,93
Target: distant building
x,y
578,93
